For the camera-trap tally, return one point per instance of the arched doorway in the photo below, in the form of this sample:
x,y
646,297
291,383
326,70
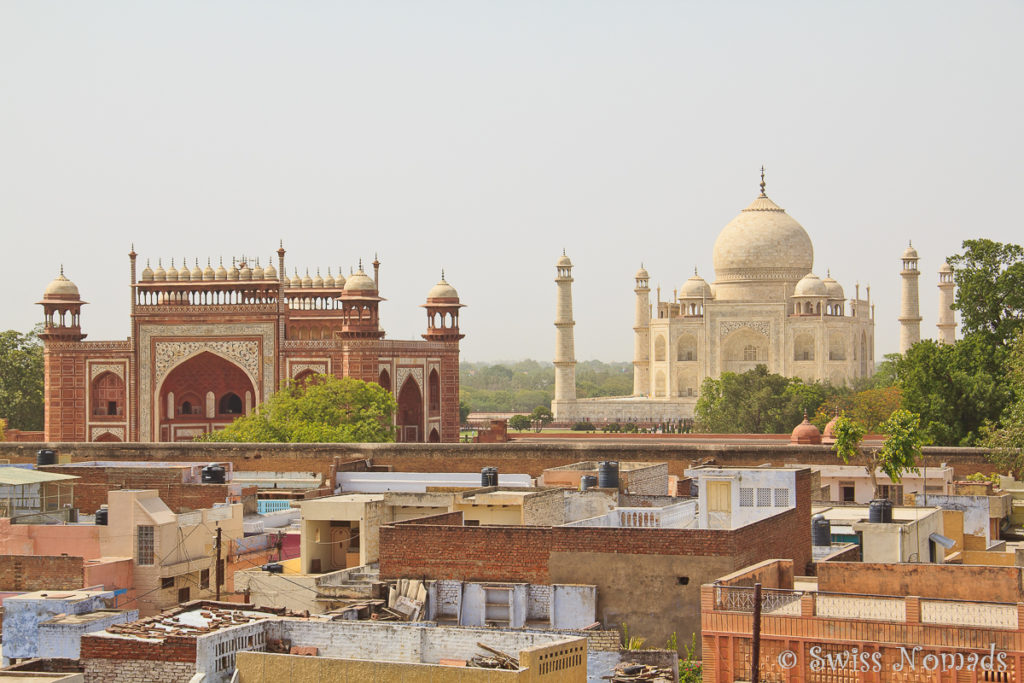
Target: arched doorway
x,y
204,393
435,393
304,377
410,412
385,379
434,436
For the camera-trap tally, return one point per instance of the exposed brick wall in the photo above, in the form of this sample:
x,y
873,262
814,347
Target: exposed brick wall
x,y
137,671
466,553
41,572
95,483
442,519
172,649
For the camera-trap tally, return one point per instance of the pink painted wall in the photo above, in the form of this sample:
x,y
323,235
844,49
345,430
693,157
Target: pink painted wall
x,y
112,574
49,539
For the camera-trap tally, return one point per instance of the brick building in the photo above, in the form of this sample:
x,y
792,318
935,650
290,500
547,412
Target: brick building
x,y
647,563
867,622
208,345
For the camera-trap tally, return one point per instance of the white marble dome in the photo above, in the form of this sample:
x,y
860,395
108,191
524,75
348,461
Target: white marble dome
x,y
833,288
810,285
763,243
695,288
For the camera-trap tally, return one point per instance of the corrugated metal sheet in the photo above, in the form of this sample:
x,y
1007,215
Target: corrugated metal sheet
x,y
16,476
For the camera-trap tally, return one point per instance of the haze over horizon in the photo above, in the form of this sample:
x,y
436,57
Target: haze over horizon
x,y
484,138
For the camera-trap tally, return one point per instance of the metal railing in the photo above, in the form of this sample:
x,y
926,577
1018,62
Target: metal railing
x,y
773,600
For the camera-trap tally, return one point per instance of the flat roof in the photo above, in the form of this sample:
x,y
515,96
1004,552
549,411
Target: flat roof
x,y
17,476
192,622
72,595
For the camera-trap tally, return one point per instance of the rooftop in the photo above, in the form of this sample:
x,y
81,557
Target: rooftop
x,y
190,620
18,476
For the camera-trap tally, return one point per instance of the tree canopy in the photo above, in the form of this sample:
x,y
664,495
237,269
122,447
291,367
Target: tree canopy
x,y
524,385
756,402
325,409
1007,439
989,280
898,453
21,379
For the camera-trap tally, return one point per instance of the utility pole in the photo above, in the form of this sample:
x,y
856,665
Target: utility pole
x,y
217,566
755,650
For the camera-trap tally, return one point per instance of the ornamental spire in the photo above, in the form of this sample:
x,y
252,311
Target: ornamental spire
x,y
762,181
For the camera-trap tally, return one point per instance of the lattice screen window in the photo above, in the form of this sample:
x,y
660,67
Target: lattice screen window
x,y
746,497
782,498
764,498
144,545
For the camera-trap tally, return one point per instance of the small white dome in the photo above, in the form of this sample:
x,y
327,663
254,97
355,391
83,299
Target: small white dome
x,y
360,282
945,268
197,272
184,274
245,272
318,282
208,273
695,288
172,273
147,273
270,273
833,289
642,274
563,261
910,252
442,290
61,287
222,273
159,274
810,285
258,273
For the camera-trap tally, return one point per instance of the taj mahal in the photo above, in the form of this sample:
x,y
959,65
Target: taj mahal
x,y
766,306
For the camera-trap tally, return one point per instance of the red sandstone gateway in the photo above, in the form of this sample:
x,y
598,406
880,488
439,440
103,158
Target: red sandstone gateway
x,y
208,345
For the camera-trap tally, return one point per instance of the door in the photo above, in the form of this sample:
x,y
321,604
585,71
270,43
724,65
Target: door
x,y
719,504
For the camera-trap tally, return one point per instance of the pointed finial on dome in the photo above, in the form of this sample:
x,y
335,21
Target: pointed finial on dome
x,y
442,274
563,253
360,263
207,261
695,270
762,181
828,272
62,270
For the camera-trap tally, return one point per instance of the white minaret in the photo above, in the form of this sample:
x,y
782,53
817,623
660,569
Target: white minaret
x,y
642,337
947,319
910,309
565,346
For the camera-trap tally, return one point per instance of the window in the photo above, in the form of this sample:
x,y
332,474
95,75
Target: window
x,y
749,353
144,545
167,582
204,578
764,498
746,497
184,595
782,498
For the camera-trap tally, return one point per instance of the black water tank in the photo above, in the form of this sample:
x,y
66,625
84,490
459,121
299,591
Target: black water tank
x,y
494,476
880,511
273,568
821,530
587,481
102,516
608,474
45,456
213,474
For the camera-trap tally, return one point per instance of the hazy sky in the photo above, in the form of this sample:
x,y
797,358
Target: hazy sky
x,y
483,137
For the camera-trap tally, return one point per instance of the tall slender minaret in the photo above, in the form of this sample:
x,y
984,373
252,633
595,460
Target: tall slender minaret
x,y
947,319
565,346
642,336
910,309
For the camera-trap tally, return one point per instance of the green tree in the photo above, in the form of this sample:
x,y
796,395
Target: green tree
x,y
989,280
541,417
755,402
464,411
520,423
324,410
955,388
21,379
1006,440
897,455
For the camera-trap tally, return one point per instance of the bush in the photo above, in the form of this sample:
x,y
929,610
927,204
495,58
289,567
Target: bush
x,y
583,427
613,427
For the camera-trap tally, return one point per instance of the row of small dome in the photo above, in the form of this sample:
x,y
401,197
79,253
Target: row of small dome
x,y
809,285
63,288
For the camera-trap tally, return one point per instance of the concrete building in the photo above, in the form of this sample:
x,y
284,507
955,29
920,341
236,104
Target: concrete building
x,y
852,483
50,624
29,496
166,558
645,562
765,307
212,639
915,534
866,622
208,345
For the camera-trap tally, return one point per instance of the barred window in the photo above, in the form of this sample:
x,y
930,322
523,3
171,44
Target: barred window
x,y
764,498
144,545
746,497
782,498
